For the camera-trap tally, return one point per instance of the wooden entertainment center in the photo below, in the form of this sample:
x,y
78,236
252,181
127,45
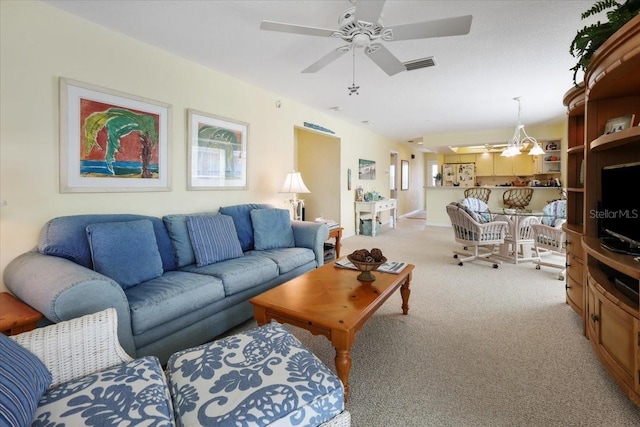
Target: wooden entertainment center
x,y
611,89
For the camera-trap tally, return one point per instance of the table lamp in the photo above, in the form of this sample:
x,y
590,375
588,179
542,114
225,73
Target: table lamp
x,y
293,183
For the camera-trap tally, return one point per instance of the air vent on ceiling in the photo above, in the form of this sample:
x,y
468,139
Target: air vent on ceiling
x,y
420,63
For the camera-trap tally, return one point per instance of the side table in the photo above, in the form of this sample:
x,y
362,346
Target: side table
x,y
16,316
336,233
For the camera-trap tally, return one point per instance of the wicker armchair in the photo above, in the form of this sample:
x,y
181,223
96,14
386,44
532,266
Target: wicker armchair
x,y
482,237
547,241
517,198
478,193
87,365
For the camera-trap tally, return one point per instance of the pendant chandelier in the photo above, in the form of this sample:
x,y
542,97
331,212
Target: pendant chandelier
x,y
520,139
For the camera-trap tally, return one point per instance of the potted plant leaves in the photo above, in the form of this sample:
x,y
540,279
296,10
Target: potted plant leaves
x,y
591,37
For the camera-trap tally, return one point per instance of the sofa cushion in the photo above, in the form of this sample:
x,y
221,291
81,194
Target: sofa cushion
x,y
241,215
66,237
23,381
239,274
178,230
272,229
135,393
169,297
127,251
287,259
213,238
263,376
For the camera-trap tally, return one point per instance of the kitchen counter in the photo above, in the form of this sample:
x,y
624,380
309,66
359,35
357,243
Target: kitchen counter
x,y
439,197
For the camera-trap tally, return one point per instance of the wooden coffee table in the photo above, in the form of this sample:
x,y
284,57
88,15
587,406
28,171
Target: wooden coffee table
x,y
330,301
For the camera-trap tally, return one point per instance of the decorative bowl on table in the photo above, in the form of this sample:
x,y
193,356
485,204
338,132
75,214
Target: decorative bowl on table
x,y
366,267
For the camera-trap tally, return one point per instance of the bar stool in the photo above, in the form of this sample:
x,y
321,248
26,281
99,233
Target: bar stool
x,y
517,198
478,193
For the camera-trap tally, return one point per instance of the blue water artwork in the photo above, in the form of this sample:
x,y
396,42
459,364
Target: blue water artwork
x,y
99,168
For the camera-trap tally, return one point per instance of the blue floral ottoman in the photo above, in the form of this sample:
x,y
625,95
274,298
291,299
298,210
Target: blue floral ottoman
x,y
262,377
134,393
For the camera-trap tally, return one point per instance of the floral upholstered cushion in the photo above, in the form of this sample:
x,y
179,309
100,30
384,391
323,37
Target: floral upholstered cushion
x,y
135,393
264,376
478,209
554,211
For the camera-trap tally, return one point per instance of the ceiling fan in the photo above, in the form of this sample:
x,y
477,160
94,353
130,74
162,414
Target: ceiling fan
x,y
361,27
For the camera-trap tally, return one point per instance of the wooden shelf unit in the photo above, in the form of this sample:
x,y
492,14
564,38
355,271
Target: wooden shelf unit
x,y
611,89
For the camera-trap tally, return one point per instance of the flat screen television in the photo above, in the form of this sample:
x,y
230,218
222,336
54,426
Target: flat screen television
x,y
618,212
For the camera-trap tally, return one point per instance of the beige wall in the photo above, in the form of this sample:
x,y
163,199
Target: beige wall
x,y
321,173
39,44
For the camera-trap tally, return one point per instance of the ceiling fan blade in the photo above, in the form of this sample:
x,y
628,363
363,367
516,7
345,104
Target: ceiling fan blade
x,y
295,29
327,59
369,11
384,59
457,26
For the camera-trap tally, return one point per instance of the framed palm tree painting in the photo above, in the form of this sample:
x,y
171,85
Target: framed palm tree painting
x,y
111,141
217,152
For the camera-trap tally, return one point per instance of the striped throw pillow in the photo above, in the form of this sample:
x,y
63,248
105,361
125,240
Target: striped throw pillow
x,y
23,381
213,238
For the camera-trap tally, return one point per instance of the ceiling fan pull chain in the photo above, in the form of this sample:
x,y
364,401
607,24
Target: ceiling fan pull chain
x,y
353,88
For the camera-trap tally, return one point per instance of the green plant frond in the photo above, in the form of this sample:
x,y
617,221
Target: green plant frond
x,y
214,133
92,125
600,6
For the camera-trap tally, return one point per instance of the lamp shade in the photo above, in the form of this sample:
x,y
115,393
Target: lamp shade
x,y
293,183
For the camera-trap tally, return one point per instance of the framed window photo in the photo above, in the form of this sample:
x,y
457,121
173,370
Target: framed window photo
x,y
618,124
404,175
112,141
366,169
218,150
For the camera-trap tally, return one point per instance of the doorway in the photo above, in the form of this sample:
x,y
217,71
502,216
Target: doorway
x,y
321,177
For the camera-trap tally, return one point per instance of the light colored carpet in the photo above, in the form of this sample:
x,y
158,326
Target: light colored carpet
x,y
480,346
421,214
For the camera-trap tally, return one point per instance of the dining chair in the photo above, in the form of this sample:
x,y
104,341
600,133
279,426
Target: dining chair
x,y
547,241
555,213
482,237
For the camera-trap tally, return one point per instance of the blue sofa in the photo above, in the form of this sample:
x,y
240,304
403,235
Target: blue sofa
x,y
170,289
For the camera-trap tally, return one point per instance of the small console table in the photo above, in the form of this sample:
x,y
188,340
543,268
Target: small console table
x,y
374,208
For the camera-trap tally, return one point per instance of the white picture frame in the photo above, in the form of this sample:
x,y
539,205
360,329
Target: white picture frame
x,y
217,152
111,141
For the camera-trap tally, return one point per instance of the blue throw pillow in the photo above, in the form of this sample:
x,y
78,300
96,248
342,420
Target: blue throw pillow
x,y
23,381
272,229
176,226
241,215
127,251
213,238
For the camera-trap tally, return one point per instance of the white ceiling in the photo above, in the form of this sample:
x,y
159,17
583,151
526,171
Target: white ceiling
x,y
514,48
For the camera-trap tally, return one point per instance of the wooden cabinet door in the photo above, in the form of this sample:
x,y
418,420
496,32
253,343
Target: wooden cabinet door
x,y
484,164
614,337
523,165
451,158
537,164
467,158
502,166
